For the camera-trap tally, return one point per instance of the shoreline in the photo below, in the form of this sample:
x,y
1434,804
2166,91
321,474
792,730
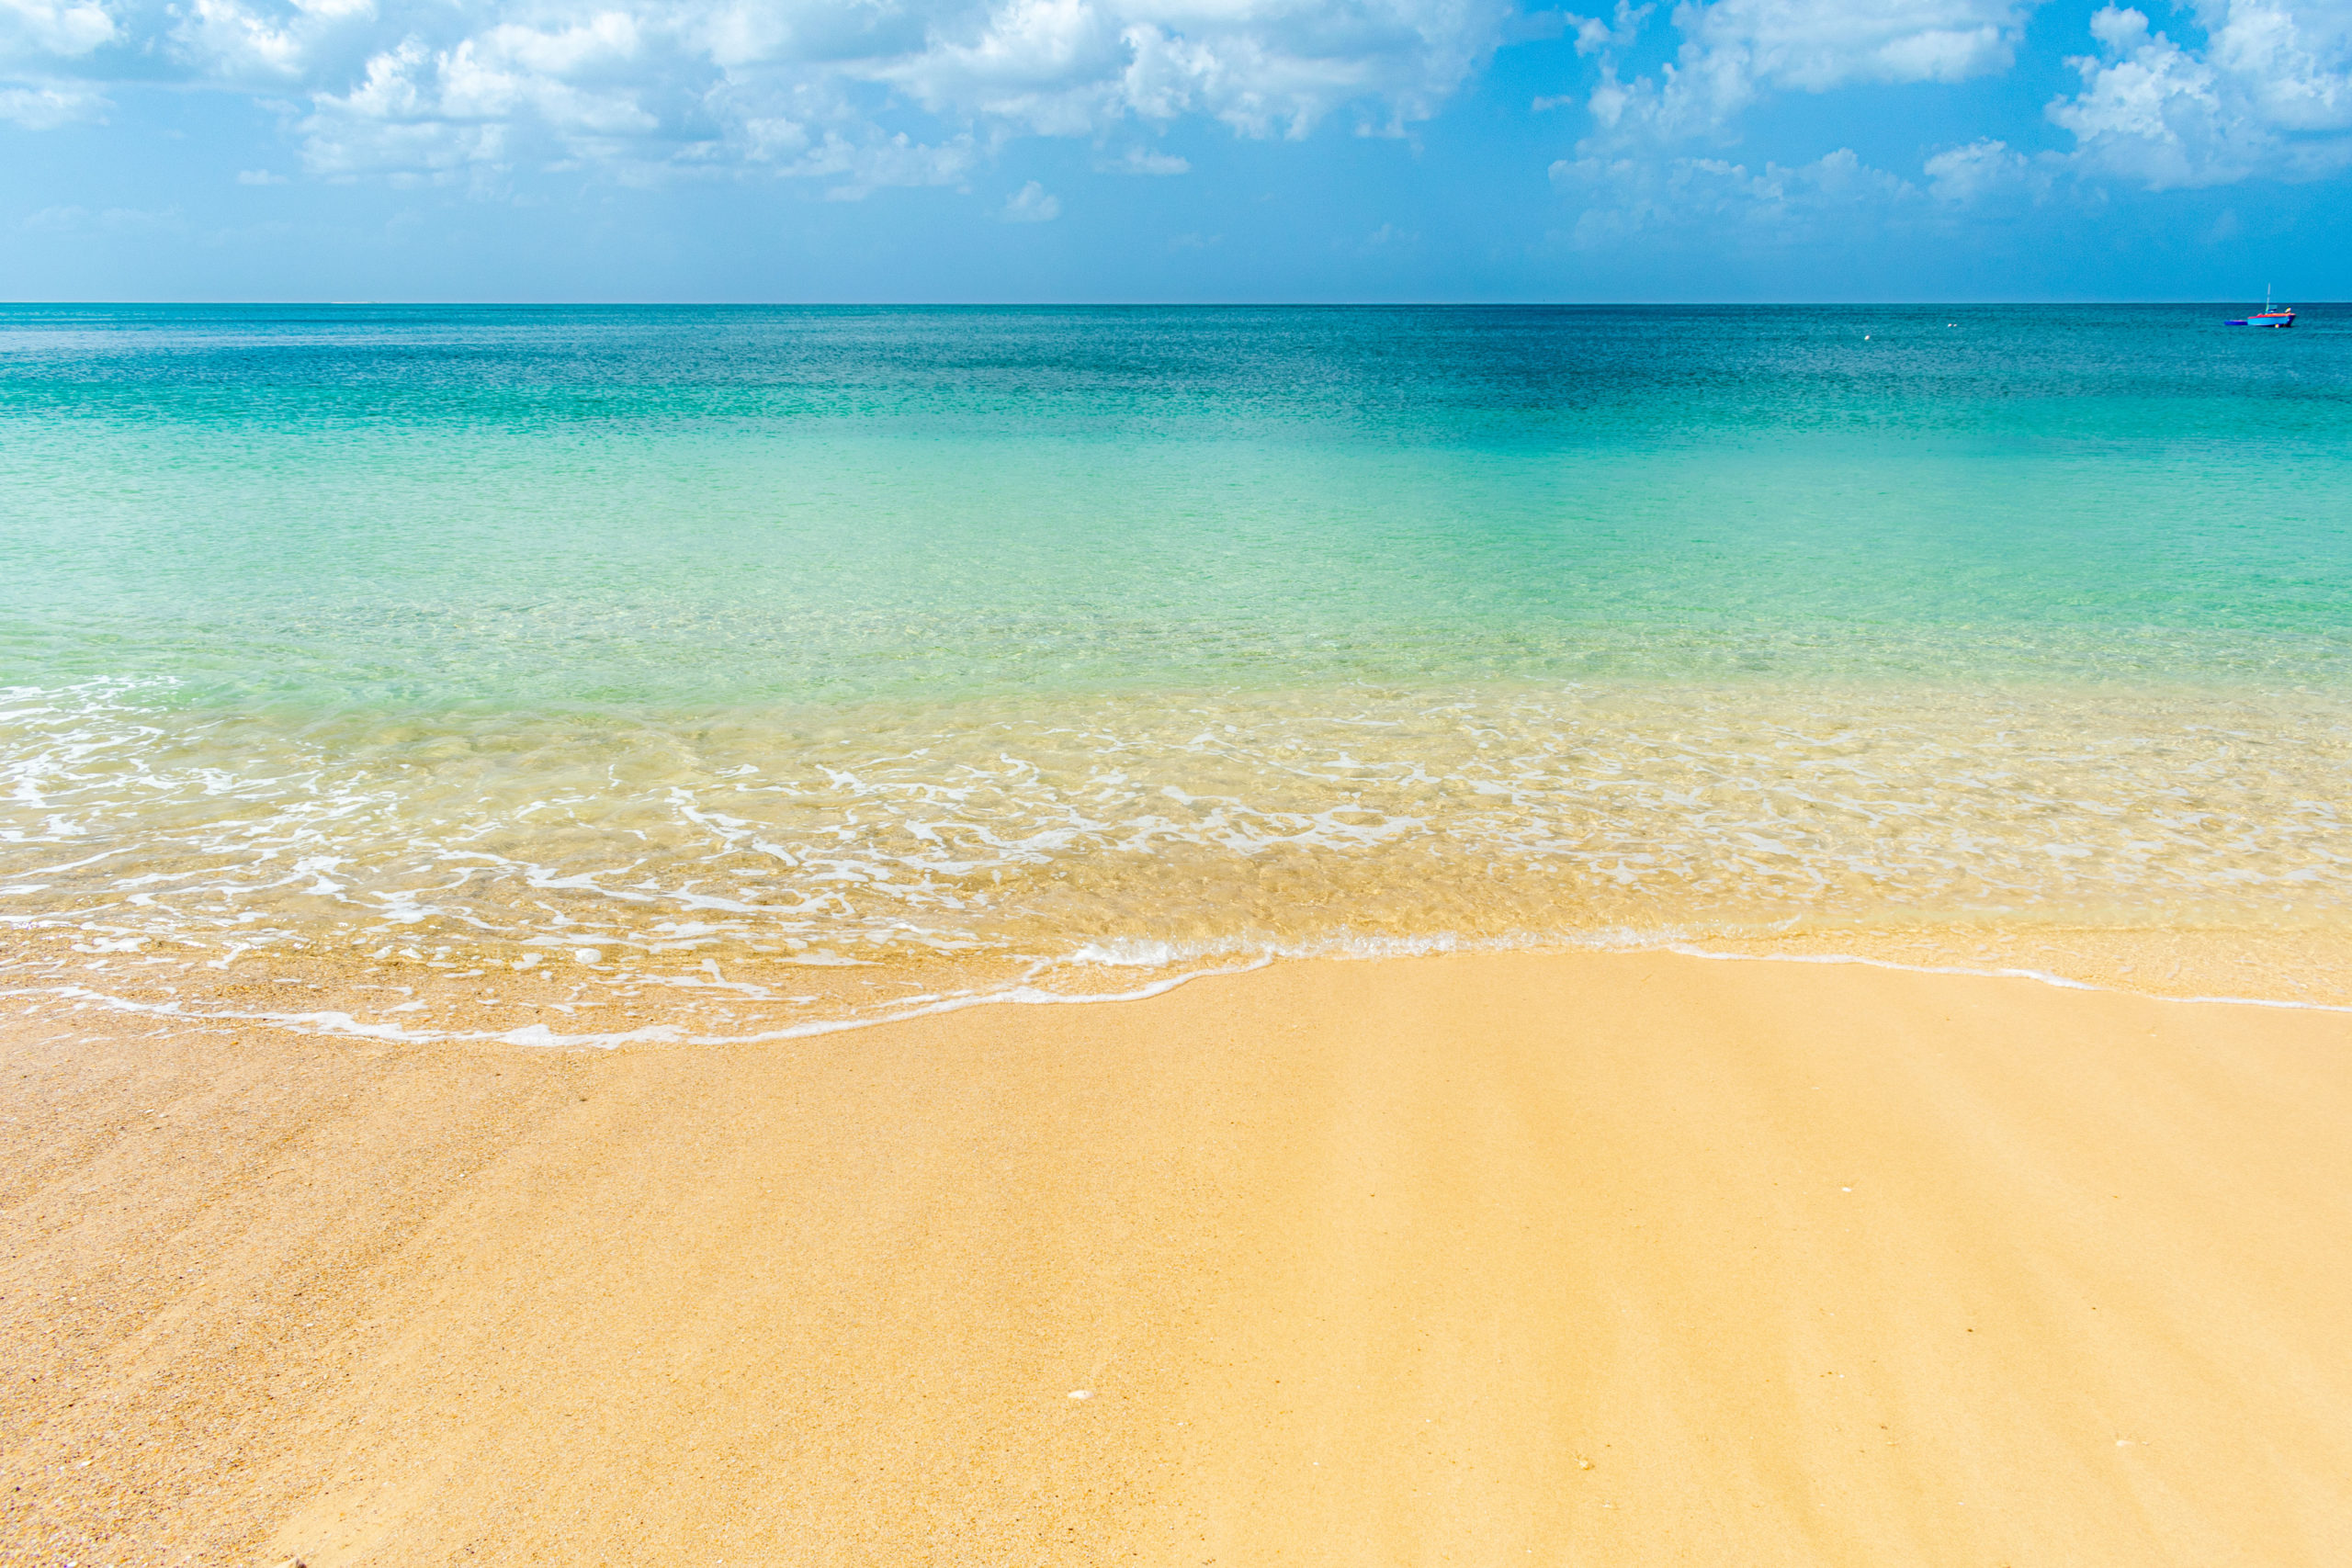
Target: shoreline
x,y
957,854
1533,1255
2227,966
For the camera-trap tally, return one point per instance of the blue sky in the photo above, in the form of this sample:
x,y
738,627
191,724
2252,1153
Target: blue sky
x,y
1177,149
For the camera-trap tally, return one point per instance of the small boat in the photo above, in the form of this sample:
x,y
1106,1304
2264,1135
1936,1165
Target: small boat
x,y
2284,316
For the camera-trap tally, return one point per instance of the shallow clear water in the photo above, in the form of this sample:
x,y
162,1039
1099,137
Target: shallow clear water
x,y
871,635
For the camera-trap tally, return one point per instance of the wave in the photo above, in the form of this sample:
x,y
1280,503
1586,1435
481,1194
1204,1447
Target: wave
x,y
866,850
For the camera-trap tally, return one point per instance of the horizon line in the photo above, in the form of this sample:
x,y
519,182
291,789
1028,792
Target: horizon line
x,y
1110,304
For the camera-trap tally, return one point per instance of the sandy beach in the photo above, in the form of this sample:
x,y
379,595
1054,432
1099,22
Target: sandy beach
x,y
1594,1258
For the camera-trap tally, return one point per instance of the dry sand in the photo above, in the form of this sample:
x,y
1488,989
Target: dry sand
x,y
1546,1258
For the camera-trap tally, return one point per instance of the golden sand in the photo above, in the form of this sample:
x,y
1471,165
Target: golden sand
x,y
1546,1258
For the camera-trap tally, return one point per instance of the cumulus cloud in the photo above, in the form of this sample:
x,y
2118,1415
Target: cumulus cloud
x,y
1637,169
1143,161
2265,92
1029,204
2270,93
229,41
1815,45
863,95
1982,169
1625,196
1595,36
42,43
1735,50
818,89
578,92
32,30
46,109
860,165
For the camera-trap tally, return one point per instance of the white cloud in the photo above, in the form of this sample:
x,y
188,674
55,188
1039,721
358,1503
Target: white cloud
x,y
46,109
863,95
859,167
1982,169
569,92
259,177
1595,36
1029,204
1775,204
1143,161
1815,45
224,40
2294,63
1735,50
55,30
808,89
2269,93
1635,172
2266,93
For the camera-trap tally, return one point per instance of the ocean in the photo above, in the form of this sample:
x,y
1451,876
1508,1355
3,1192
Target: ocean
x,y
816,664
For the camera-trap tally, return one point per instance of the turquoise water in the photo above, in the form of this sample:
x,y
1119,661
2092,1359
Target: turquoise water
x,y
865,635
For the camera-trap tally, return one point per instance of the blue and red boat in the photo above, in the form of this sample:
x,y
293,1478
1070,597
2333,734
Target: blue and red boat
x,y
2282,316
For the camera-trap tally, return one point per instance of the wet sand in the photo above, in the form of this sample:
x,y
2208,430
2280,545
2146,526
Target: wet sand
x,y
1584,1258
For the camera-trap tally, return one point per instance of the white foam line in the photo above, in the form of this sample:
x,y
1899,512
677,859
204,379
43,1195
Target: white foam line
x,y
336,1023
1446,945
327,1022
333,1023
2040,976
1023,995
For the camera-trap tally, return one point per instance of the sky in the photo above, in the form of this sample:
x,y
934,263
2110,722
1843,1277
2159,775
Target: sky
x,y
1173,150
